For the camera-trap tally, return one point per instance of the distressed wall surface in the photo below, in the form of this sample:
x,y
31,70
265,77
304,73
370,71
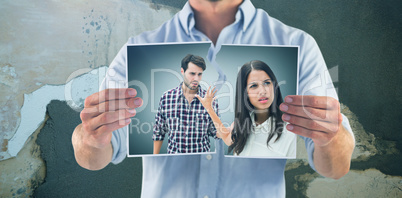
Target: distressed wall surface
x,y
45,44
65,178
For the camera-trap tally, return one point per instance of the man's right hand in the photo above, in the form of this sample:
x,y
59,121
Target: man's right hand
x,y
103,113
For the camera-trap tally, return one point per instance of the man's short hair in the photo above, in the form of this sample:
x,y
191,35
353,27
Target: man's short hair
x,y
196,60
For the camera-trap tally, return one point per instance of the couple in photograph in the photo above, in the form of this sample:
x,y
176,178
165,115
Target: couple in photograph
x,y
189,115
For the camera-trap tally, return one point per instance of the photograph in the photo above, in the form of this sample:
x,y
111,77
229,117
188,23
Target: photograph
x,y
171,120
264,75
190,104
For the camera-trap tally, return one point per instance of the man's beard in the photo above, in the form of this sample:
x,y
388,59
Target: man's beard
x,y
189,85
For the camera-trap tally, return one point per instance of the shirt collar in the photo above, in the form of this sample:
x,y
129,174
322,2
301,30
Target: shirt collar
x,y
180,91
246,13
185,16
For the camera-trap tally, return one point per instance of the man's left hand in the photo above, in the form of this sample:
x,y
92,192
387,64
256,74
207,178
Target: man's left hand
x,y
315,117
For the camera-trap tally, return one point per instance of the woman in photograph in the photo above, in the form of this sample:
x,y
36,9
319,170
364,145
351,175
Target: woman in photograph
x,y
258,129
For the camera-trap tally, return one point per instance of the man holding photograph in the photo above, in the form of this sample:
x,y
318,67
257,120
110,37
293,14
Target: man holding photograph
x,y
182,116
314,115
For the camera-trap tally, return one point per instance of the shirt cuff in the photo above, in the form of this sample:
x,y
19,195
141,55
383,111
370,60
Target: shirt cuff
x,y
157,137
119,145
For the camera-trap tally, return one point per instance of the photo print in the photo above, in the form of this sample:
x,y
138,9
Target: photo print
x,y
188,108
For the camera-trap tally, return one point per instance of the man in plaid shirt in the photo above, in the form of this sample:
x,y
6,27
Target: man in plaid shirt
x,y
182,116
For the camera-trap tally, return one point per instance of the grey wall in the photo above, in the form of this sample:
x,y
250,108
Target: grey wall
x,y
43,42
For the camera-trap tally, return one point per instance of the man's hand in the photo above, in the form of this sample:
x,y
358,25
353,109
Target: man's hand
x,y
103,113
319,118
315,117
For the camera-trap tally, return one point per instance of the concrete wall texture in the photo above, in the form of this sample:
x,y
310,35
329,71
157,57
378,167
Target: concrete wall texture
x,y
54,53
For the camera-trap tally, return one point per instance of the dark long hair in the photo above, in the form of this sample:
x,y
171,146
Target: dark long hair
x,y
243,107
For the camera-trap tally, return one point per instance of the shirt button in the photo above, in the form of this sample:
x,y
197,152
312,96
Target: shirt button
x,y
206,196
209,157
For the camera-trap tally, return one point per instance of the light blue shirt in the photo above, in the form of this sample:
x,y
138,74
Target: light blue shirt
x,y
215,175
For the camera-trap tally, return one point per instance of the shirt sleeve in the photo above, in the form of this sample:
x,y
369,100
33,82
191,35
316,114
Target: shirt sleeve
x,y
211,128
160,127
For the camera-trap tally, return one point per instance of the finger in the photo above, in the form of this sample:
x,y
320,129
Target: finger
x,y
214,92
107,128
88,113
321,102
320,138
314,125
113,105
111,117
109,94
310,112
207,93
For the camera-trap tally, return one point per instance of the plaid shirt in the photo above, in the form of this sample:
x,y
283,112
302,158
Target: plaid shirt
x,y
188,125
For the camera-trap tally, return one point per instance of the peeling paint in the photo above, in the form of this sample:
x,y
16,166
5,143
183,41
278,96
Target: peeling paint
x,y
9,107
8,76
5,145
34,58
21,175
367,183
42,47
302,182
295,163
34,108
366,143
